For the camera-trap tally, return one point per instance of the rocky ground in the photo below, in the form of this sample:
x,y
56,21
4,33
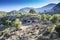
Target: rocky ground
x,y
35,31
33,28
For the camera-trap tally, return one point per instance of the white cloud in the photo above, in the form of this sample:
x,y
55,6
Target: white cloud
x,y
53,1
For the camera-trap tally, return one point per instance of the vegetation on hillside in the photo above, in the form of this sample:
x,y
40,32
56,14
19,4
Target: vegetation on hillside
x,y
11,21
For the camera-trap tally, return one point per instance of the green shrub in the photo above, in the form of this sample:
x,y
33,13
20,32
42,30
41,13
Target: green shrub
x,y
17,23
54,19
57,28
1,33
32,11
7,31
49,29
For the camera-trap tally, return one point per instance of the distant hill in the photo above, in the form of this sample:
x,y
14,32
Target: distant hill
x,y
25,10
14,12
56,8
2,12
46,8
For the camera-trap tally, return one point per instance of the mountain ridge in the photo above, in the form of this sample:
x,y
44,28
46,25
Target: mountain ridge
x,y
46,8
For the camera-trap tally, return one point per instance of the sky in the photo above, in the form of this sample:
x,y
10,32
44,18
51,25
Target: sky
x,y
9,5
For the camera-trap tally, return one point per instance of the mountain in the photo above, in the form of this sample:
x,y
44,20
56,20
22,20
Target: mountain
x,y
14,12
56,8
3,12
46,8
25,10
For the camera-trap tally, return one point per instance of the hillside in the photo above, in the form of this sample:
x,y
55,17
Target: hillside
x,y
50,8
29,26
57,8
25,10
46,8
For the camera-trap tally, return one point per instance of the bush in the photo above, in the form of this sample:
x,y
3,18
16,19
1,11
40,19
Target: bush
x,y
54,19
7,31
17,23
32,11
57,28
49,29
1,33
39,38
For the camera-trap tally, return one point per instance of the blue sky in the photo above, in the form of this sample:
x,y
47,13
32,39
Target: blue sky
x,y
9,5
